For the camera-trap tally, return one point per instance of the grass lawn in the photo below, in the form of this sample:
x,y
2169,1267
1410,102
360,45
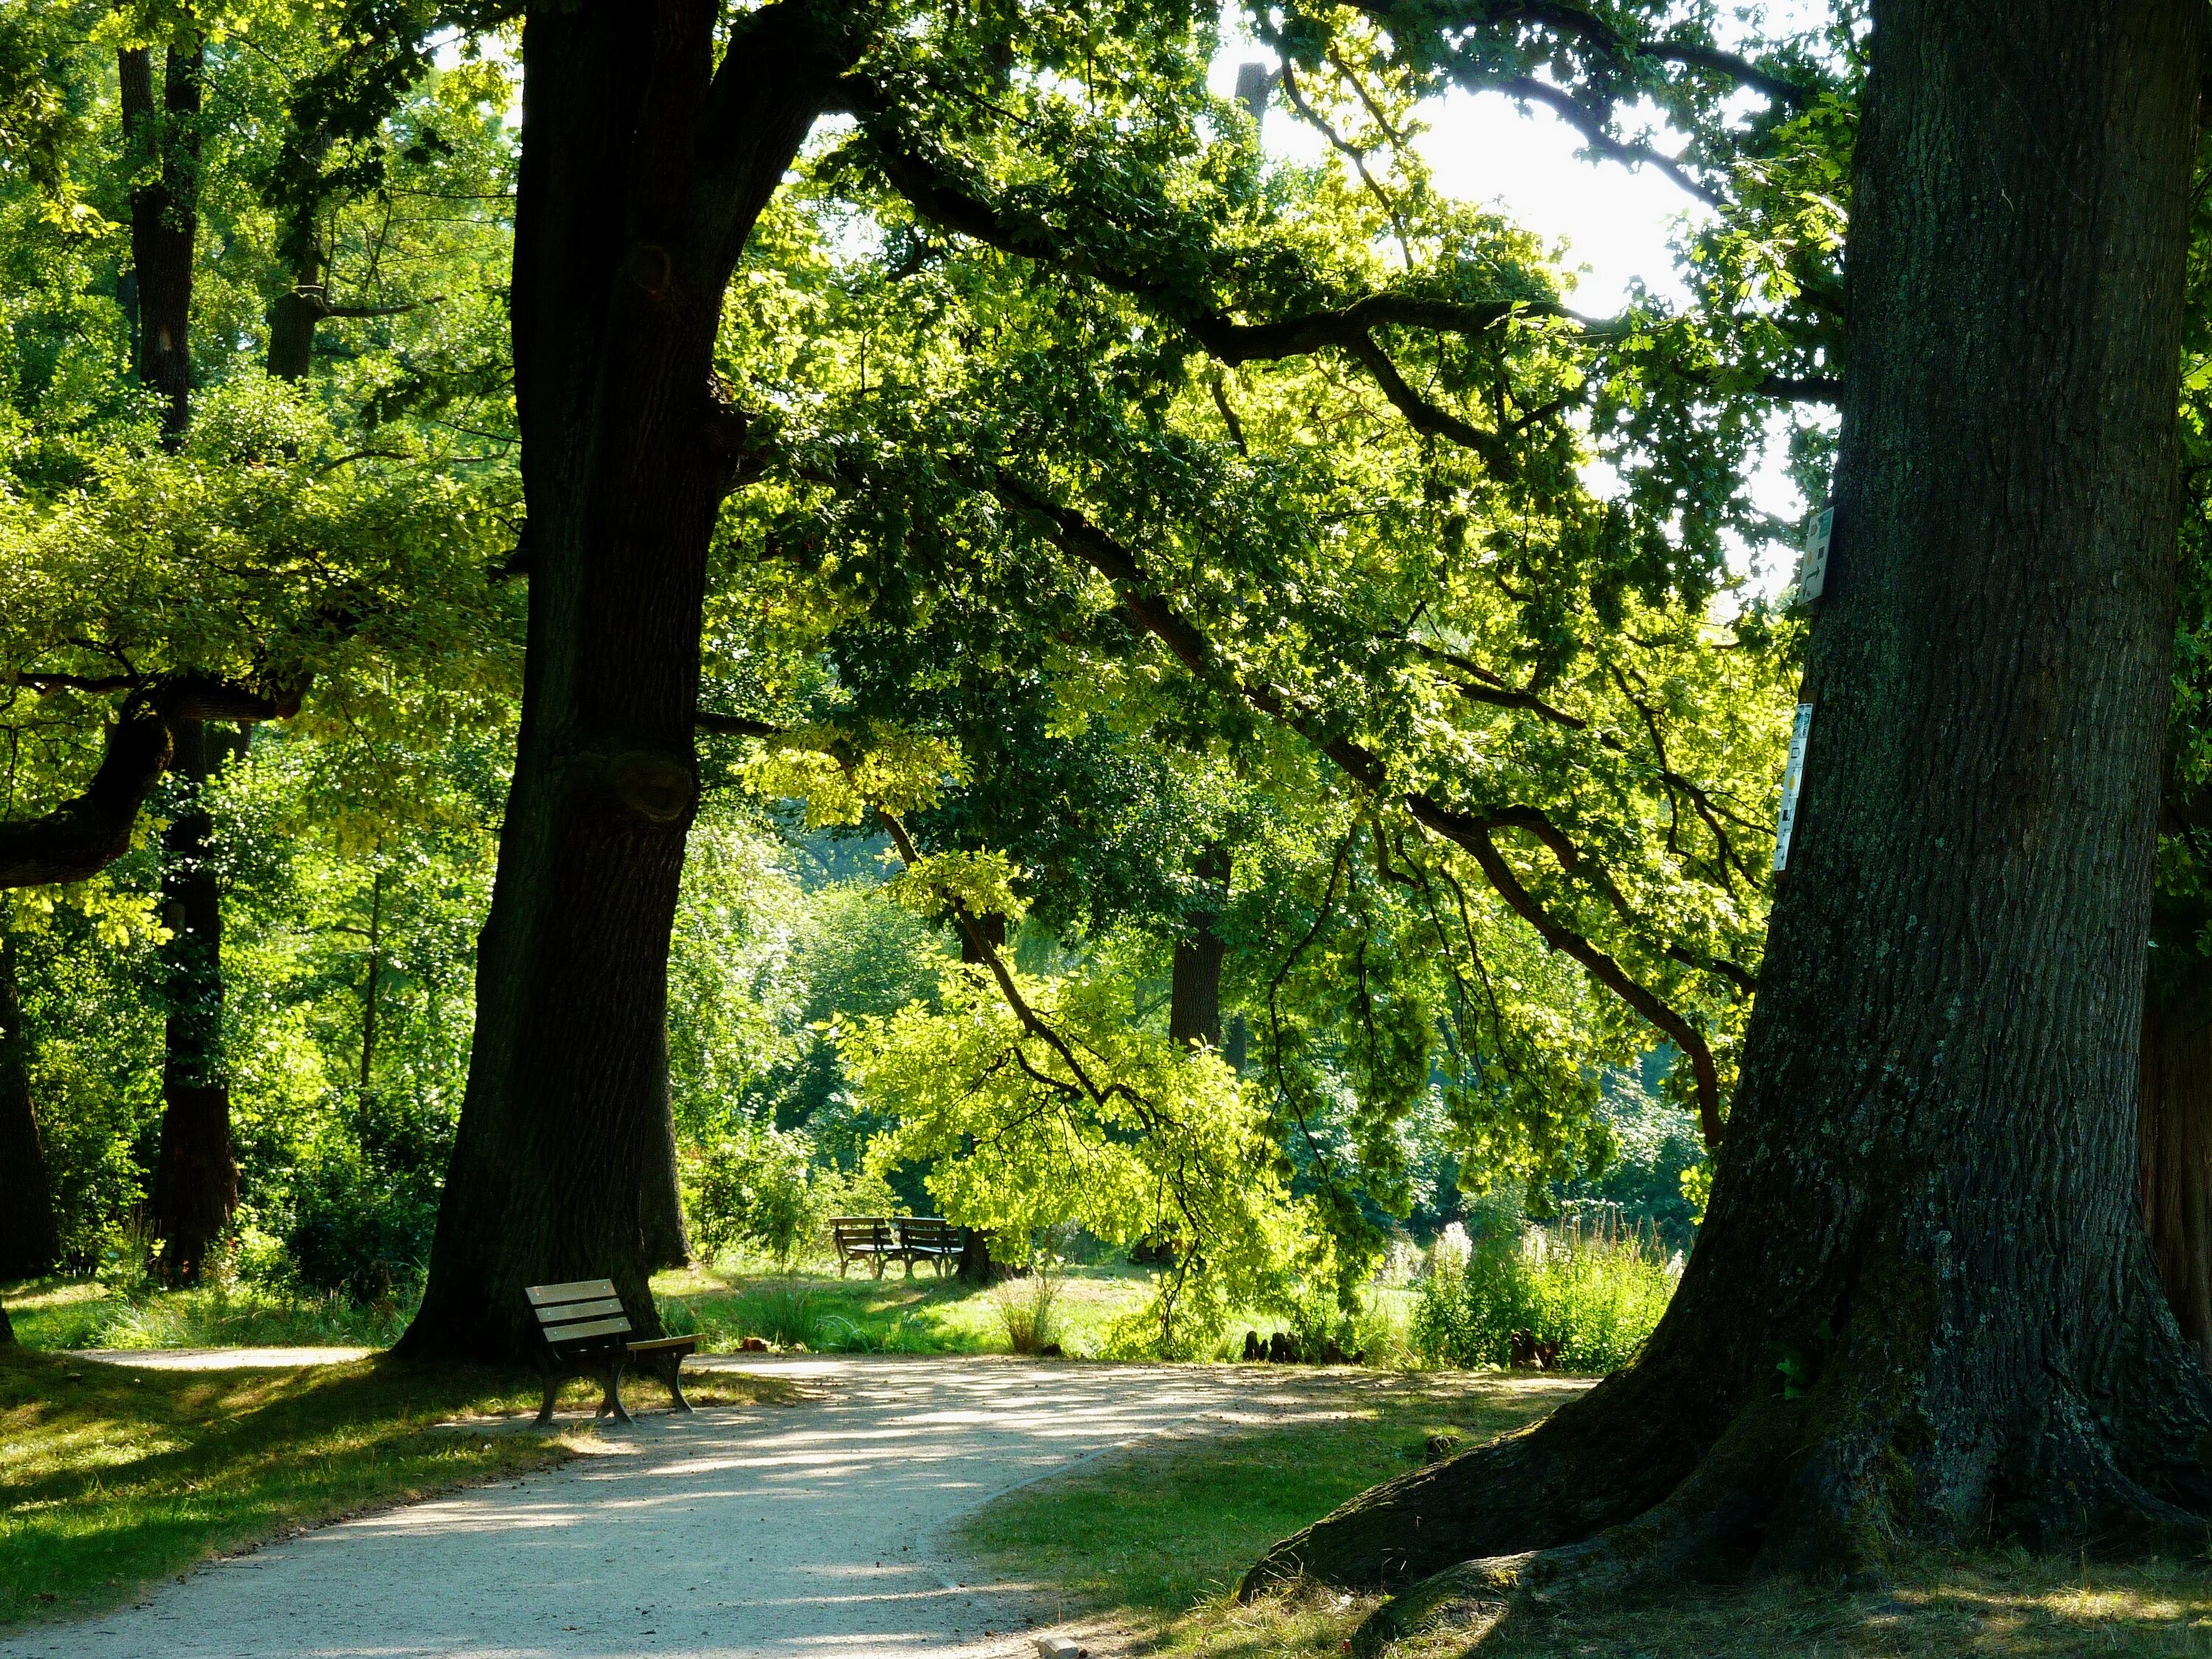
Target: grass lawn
x,y
111,1477
862,1314
1155,1540
84,1313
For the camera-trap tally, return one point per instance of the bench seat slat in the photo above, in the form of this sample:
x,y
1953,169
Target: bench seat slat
x,y
576,1290
554,1316
613,1326
657,1344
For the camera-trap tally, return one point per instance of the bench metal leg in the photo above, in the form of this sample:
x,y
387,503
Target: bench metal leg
x,y
613,1403
553,1381
675,1382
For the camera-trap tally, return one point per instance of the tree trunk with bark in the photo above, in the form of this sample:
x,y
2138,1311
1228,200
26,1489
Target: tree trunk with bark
x,y
643,169
293,315
196,1178
2174,1136
1922,1306
29,1241
988,934
162,142
1195,989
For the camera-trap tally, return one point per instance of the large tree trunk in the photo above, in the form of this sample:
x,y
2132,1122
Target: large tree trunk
x,y
2174,1135
1923,1304
643,173
1194,988
196,1178
29,1239
163,146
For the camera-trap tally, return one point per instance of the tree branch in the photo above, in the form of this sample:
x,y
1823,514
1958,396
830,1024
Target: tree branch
x,y
1579,24
1472,834
1591,124
85,835
734,726
1119,566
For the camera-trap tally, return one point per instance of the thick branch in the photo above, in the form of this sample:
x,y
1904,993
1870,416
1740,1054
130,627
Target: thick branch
x,y
734,726
1473,835
1119,566
1592,31
83,836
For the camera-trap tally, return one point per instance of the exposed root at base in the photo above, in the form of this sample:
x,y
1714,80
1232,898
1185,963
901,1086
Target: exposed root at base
x,y
1709,1529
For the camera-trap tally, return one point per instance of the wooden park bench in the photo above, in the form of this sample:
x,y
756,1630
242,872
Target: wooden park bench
x,y
587,1335
929,1238
863,1238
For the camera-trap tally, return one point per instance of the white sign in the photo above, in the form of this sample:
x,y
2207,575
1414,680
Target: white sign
x,y
1813,568
1792,775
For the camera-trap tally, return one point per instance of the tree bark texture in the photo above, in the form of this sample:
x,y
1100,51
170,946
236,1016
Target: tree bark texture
x,y
293,316
1922,1304
643,168
988,934
2174,1140
1194,988
161,140
29,1242
196,1178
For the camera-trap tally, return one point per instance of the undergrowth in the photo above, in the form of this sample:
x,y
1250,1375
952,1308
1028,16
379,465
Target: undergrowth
x,y
86,1314
1565,1299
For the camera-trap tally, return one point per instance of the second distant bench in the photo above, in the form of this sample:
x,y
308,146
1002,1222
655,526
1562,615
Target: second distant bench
x,y
876,1239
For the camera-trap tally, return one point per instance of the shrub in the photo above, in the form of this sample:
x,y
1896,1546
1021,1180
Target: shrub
x,y
1596,1296
1027,1307
359,1232
756,1187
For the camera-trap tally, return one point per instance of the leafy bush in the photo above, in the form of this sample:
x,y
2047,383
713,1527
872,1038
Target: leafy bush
x,y
356,1232
761,1187
755,1187
1596,1296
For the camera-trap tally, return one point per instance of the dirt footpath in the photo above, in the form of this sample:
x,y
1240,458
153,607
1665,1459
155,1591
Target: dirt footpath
x,y
737,1533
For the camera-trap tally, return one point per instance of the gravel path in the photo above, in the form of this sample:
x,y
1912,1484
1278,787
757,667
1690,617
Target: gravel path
x,y
738,1532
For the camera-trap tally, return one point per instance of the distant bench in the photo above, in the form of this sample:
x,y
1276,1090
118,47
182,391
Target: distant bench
x,y
876,1239
587,1335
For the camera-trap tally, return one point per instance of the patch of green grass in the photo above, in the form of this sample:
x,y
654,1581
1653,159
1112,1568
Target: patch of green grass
x,y
84,1313
890,1315
2002,1605
111,1477
1150,1534
1150,1547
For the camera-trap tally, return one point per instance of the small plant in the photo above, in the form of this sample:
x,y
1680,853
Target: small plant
x,y
788,1319
1027,1307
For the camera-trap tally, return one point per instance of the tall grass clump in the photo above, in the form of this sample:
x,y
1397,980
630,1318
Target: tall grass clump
x,y
1028,1308
1574,1298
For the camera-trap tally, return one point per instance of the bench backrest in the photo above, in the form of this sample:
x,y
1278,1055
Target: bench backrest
x,y
851,1230
578,1311
928,1232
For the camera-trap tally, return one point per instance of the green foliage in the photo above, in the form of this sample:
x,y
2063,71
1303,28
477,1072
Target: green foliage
x,y
762,1186
1598,1297
1074,1113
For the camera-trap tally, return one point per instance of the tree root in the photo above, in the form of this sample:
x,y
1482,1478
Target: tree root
x,y
1598,1460
1709,1528
1790,1487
